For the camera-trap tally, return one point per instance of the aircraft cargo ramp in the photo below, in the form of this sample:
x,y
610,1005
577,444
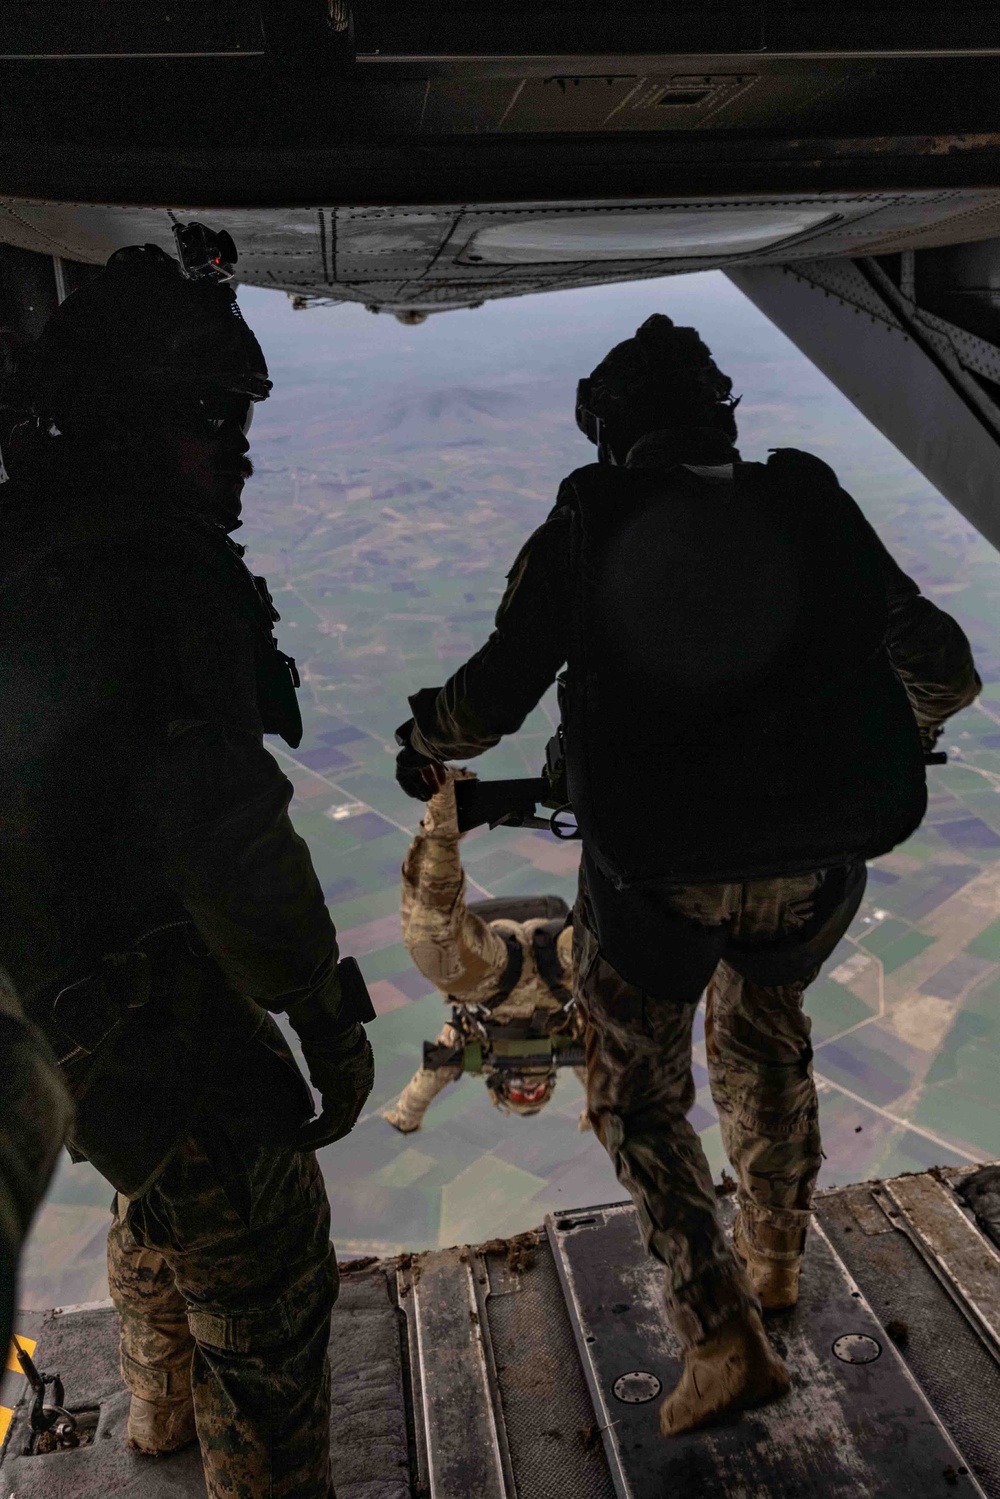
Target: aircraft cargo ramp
x,y
533,1367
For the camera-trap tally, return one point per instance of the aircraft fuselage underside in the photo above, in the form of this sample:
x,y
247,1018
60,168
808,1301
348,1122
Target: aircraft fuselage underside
x,y
842,166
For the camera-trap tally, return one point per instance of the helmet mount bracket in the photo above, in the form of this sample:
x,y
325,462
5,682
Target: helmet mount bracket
x,y
205,254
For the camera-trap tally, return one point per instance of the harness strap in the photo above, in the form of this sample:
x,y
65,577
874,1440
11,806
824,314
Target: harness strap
x,y
544,942
88,1010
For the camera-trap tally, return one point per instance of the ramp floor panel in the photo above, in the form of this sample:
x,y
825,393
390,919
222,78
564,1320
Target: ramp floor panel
x,y
369,1439
953,1367
538,1364
855,1426
555,1450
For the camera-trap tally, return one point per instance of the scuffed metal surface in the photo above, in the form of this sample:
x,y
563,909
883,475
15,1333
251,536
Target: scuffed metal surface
x,y
966,1263
837,1435
950,1362
547,1411
460,1423
498,1383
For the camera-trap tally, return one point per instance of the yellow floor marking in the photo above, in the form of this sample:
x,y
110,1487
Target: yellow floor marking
x,y
28,1344
5,1419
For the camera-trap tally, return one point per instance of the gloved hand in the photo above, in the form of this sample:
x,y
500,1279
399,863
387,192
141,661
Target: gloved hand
x,y
418,775
342,1070
930,733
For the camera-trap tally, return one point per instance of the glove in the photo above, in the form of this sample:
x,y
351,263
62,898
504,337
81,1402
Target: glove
x,y
342,1070
930,733
328,1023
416,774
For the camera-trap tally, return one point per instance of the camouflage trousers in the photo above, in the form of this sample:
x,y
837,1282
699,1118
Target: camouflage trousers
x,y
407,1113
640,1087
224,1278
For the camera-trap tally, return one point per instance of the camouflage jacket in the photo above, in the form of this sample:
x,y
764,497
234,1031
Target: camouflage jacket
x,y
464,956
495,690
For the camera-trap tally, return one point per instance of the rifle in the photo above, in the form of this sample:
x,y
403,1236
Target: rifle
x,y
497,1054
513,804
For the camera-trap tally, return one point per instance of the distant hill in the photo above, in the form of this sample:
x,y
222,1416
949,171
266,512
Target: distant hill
x,y
413,419
448,416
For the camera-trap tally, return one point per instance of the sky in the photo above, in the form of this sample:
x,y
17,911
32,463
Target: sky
x,y
399,469
343,359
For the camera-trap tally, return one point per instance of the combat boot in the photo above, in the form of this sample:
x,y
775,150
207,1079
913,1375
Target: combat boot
x,y
156,1427
733,1370
400,1119
774,1267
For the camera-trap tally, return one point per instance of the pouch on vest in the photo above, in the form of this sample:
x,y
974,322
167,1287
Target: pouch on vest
x,y
277,679
88,1011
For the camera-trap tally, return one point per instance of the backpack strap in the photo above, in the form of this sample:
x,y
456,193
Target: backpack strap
x,y
545,946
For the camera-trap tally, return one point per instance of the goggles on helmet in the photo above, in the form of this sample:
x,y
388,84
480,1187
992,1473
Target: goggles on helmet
x,y
527,1092
212,411
589,424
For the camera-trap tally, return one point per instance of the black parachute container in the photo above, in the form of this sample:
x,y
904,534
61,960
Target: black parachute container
x,y
732,711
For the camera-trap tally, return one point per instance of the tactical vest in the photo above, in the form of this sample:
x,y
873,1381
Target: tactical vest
x,y
732,712
141,1064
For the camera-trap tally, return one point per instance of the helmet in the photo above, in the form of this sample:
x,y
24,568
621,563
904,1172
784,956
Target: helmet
x,y
664,376
521,1093
144,332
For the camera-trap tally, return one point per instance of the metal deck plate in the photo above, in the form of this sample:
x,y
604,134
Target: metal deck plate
x,y
855,1425
964,1261
462,1435
368,1431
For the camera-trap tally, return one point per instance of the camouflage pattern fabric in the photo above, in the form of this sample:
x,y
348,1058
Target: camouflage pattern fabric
x,y
224,1278
458,952
464,956
640,1090
407,1113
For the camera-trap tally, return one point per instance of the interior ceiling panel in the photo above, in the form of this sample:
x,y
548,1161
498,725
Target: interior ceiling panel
x,y
329,103
731,93
629,102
